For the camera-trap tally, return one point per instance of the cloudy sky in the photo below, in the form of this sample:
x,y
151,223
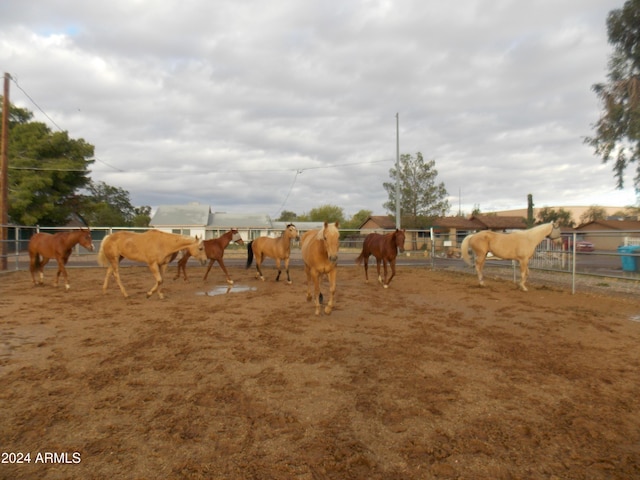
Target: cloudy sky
x,y
256,106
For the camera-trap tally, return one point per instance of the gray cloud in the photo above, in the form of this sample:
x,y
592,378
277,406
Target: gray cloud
x,y
224,102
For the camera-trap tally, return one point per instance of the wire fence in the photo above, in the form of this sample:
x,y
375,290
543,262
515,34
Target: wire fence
x,y
580,260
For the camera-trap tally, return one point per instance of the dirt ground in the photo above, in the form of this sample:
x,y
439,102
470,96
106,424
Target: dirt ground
x,y
434,377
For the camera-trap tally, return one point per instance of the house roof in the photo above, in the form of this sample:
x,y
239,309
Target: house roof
x,y
481,222
610,225
192,214
241,220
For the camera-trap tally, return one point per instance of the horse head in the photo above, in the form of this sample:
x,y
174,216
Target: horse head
x,y
236,237
331,239
85,239
292,231
555,233
400,238
197,250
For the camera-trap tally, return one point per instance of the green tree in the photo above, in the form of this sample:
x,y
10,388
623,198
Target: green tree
x,y
592,214
357,219
548,214
617,132
287,216
141,217
422,198
45,171
326,213
107,206
530,218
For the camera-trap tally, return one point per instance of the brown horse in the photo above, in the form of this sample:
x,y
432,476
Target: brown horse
x,y
320,256
153,247
385,249
278,248
44,246
518,245
214,249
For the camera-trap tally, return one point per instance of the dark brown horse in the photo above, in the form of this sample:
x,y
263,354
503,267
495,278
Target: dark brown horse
x,y
214,248
385,249
44,246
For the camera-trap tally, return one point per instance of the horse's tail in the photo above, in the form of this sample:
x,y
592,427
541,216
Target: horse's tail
x,y
102,258
360,258
249,254
464,249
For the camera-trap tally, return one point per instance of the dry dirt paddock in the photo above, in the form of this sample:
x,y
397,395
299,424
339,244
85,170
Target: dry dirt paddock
x,y
433,378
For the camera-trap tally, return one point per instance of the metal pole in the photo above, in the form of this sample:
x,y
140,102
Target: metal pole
x,y
398,171
4,182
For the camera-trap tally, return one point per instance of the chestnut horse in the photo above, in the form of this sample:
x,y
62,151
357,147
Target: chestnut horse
x,y
44,246
320,256
518,245
214,249
153,247
385,249
278,248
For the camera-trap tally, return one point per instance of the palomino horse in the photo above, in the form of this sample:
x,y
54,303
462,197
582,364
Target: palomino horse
x,y
385,249
518,245
320,256
44,246
153,247
278,248
214,249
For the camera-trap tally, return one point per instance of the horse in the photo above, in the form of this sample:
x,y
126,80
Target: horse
x,y
385,249
278,248
214,249
320,257
518,245
153,247
44,246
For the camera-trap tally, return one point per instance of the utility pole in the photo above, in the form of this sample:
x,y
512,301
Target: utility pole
x,y
4,182
398,171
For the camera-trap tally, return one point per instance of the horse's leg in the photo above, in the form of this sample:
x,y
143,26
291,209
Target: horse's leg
x,y
155,270
279,269
385,282
316,290
307,272
366,269
115,269
286,267
479,266
259,259
34,261
211,262
224,269
332,290
380,281
63,271
524,273
392,263
182,267
43,261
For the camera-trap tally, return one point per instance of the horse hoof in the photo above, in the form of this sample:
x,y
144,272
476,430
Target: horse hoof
x,y
327,310
230,282
386,286
289,282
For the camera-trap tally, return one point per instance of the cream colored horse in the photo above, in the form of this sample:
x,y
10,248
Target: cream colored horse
x,y
153,247
518,245
320,256
278,248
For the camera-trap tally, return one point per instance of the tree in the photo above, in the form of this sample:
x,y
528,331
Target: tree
x,y
422,199
326,213
618,129
592,214
287,216
357,219
45,171
530,219
547,214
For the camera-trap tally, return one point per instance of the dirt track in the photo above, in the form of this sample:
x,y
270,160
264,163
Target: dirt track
x,y
433,378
